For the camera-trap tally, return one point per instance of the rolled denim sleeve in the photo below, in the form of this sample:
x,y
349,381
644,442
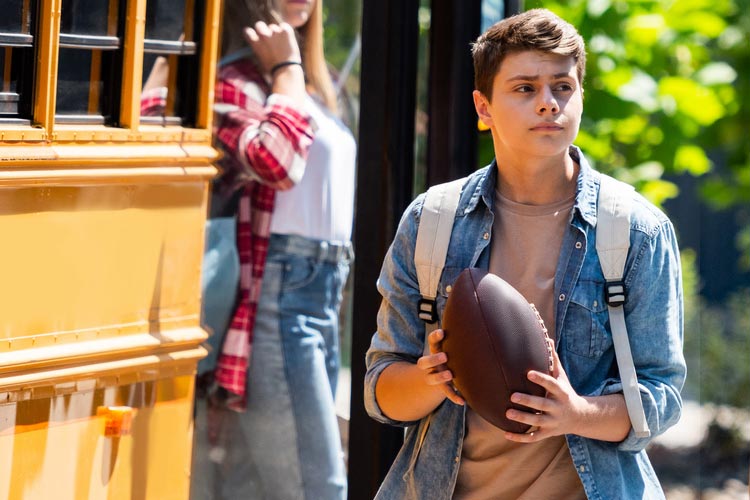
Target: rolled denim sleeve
x,y
654,318
400,332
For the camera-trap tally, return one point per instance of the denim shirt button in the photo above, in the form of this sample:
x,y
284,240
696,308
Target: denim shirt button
x,y
582,468
486,236
448,289
578,245
561,297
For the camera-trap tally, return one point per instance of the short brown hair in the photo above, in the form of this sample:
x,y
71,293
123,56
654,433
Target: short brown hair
x,y
536,29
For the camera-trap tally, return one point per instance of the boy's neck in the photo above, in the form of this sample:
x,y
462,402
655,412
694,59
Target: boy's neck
x,y
537,181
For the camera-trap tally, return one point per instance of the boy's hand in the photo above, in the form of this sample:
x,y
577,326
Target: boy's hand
x,y
436,373
558,413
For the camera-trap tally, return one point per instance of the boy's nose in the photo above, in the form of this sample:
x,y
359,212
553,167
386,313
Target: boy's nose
x,y
547,102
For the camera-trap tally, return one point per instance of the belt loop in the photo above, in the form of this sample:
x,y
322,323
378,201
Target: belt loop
x,y
323,251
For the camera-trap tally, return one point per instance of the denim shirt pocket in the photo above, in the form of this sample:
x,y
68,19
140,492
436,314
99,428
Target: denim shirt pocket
x,y
586,333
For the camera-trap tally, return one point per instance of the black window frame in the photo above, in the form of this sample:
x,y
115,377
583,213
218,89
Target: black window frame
x,y
185,55
110,71
22,49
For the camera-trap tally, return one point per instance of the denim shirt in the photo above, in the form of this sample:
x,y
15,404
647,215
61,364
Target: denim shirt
x,y
428,462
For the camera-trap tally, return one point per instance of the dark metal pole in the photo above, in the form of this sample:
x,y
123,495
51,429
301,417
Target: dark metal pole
x,y
384,189
452,138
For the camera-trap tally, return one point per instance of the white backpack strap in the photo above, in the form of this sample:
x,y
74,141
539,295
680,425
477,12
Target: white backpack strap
x,y
433,238
612,244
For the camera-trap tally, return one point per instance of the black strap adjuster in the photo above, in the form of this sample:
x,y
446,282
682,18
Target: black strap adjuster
x,y
427,310
614,293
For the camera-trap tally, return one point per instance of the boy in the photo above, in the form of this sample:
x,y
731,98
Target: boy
x,y
530,217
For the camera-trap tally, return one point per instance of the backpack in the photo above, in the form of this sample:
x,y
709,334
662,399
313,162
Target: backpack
x,y
612,244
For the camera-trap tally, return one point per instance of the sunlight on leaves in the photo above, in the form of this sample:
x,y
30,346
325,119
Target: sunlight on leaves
x,y
692,99
716,73
658,191
640,89
703,22
630,129
645,29
692,159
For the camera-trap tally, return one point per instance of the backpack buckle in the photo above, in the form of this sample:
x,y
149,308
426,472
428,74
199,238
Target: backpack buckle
x,y
427,310
614,293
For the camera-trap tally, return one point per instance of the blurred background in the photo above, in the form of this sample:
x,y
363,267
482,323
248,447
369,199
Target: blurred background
x,y
667,109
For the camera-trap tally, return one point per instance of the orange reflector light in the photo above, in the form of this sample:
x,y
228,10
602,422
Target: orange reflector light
x,y
117,420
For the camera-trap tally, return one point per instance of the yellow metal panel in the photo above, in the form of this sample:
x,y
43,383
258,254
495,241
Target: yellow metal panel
x,y
82,257
55,447
17,133
21,360
23,177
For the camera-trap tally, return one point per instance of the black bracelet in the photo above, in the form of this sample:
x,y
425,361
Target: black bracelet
x,y
283,64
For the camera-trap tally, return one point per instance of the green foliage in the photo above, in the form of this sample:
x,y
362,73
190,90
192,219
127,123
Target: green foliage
x,y
342,22
717,343
692,339
342,26
667,90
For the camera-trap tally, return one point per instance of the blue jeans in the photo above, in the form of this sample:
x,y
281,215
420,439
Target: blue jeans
x,y
287,444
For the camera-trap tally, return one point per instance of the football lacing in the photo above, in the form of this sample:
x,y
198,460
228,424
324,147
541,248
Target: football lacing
x,y
546,335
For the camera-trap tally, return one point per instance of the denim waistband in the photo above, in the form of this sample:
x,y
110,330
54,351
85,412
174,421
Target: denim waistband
x,y
326,251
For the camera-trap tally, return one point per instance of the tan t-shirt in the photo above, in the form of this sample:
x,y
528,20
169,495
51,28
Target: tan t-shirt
x,y
526,242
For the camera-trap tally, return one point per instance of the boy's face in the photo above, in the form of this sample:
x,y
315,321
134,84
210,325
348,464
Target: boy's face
x,y
536,105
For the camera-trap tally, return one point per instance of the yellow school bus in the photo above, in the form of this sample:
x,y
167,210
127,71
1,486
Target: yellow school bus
x,y
102,215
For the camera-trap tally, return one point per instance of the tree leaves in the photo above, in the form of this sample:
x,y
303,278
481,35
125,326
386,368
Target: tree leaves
x,y
665,85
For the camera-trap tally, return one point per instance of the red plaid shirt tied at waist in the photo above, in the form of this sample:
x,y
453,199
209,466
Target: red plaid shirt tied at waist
x,y
265,139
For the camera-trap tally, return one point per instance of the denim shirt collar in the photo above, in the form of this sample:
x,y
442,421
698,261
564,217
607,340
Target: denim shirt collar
x,y
586,188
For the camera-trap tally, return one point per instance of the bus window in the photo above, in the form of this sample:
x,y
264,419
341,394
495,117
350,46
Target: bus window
x,y
170,56
16,61
88,60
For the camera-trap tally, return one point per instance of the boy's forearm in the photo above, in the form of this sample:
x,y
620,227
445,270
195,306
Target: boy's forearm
x,y
604,418
403,394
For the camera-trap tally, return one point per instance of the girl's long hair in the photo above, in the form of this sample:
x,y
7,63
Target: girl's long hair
x,y
239,14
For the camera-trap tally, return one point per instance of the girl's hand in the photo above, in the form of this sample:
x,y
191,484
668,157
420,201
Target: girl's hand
x,y
272,44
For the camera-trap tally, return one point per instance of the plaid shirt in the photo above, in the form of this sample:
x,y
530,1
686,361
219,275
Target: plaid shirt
x,y
154,101
265,140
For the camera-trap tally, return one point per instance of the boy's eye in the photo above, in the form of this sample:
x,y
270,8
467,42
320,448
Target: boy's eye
x,y
524,88
564,87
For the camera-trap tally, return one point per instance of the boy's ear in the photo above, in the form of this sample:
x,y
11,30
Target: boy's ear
x,y
482,105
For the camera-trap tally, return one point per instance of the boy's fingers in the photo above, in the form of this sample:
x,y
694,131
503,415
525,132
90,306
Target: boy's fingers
x,y
434,340
431,361
450,393
439,378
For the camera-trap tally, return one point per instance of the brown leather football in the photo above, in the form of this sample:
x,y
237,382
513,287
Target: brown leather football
x,y
493,338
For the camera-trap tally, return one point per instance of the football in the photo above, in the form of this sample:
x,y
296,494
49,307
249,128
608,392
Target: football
x,y
493,337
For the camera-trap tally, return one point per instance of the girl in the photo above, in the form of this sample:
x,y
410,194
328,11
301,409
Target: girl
x,y
285,149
